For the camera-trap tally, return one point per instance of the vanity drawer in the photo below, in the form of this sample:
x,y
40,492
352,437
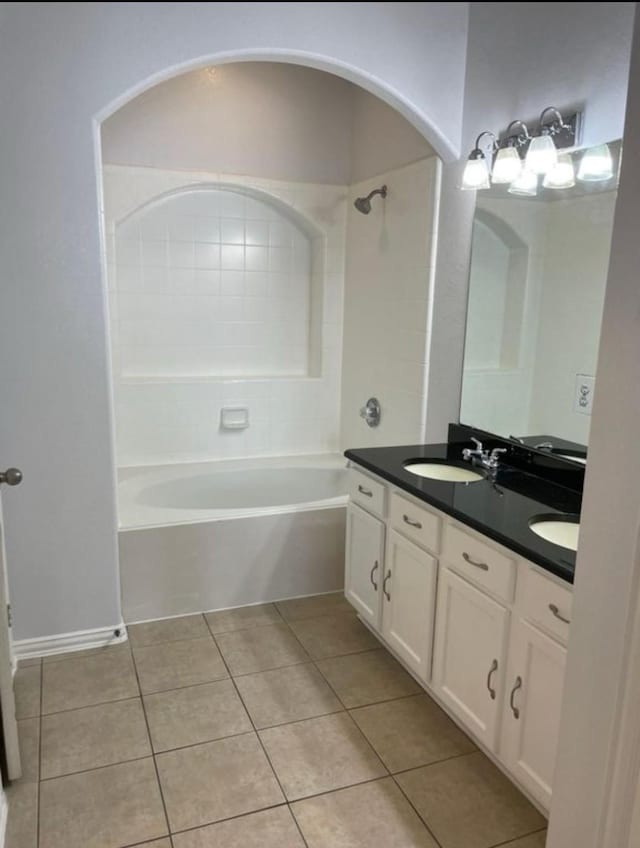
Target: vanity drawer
x,y
415,522
547,604
480,563
366,492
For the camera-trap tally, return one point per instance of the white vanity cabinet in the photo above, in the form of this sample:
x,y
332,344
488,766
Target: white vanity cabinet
x,y
482,629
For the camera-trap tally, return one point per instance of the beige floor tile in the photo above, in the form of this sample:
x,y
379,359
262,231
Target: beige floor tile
x,y
22,823
299,608
259,615
91,737
84,682
268,829
468,803
215,781
26,687
29,740
360,679
102,651
333,635
195,714
320,754
173,665
287,694
107,808
411,732
536,840
167,630
260,649
373,814
28,661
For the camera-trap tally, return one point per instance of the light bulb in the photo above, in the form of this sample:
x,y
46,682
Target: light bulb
x,y
541,155
562,175
476,172
596,164
507,166
526,185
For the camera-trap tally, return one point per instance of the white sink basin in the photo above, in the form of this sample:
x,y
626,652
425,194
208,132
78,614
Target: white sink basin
x,y
442,471
560,531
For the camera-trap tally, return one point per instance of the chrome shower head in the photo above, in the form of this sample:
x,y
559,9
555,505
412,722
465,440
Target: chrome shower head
x,y
363,204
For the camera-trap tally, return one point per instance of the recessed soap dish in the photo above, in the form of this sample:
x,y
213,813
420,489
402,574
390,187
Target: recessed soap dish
x,y
234,418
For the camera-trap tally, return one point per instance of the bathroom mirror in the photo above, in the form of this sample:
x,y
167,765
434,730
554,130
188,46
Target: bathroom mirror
x,y
536,292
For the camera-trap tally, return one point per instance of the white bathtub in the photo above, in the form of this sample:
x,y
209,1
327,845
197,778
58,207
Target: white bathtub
x,y
205,536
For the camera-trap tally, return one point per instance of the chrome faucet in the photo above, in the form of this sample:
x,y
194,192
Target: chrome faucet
x,y
479,456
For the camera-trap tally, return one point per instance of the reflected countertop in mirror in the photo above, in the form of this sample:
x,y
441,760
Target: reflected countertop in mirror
x,y
536,293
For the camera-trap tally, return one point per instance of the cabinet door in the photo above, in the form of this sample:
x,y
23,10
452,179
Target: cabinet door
x,y
364,563
533,700
470,653
408,602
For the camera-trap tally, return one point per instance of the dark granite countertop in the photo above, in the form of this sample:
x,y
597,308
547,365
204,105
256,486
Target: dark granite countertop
x,y
499,508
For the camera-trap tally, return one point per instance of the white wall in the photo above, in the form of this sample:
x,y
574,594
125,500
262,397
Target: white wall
x,y
593,760
388,281
75,63
523,57
201,121
169,395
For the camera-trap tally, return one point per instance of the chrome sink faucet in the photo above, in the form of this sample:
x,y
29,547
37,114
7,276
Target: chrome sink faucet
x,y
479,456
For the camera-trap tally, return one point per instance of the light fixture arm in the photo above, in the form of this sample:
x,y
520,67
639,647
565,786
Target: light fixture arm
x,y
517,139
556,125
494,141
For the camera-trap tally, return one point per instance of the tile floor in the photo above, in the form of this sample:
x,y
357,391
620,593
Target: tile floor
x,y
279,726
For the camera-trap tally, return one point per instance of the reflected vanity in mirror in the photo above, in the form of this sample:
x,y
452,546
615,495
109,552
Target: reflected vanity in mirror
x,y
536,292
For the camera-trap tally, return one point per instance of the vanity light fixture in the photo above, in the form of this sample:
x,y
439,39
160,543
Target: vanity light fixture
x,y
476,171
596,164
526,185
562,175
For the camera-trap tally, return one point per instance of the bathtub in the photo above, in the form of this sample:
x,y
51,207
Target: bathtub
x,y
214,535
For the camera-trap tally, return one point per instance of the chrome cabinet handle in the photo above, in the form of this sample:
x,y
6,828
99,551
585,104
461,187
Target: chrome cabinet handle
x,y
411,522
555,611
384,585
367,492
518,685
492,691
482,565
376,565
12,476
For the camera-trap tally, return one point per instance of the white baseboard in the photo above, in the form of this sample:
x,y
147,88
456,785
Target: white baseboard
x,y
64,643
4,813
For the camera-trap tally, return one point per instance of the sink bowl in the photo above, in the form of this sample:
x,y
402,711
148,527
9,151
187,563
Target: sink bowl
x,y
443,471
562,530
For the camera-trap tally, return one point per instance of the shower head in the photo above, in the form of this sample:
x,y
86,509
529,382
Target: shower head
x,y
363,204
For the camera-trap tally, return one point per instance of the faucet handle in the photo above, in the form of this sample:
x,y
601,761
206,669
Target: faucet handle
x,y
494,453
477,443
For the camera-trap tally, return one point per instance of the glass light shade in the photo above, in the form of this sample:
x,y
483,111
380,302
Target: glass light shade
x,y
507,166
541,155
596,164
526,185
562,175
476,173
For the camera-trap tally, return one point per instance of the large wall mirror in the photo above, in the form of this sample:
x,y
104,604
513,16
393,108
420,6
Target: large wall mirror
x,y
536,292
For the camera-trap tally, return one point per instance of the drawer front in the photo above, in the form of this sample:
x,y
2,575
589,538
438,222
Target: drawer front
x,y
480,563
415,522
547,604
366,492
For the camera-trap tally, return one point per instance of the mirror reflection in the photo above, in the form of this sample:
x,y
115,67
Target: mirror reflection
x,y
536,292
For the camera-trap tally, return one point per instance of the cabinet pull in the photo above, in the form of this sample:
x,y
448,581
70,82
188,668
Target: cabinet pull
x,y
518,685
555,611
492,691
411,522
384,585
376,565
482,565
366,492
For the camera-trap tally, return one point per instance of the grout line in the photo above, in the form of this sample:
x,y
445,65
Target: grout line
x,y
260,742
155,764
38,805
96,768
417,812
89,706
434,763
518,838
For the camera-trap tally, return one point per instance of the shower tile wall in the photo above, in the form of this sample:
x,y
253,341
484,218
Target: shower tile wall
x,y
227,310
